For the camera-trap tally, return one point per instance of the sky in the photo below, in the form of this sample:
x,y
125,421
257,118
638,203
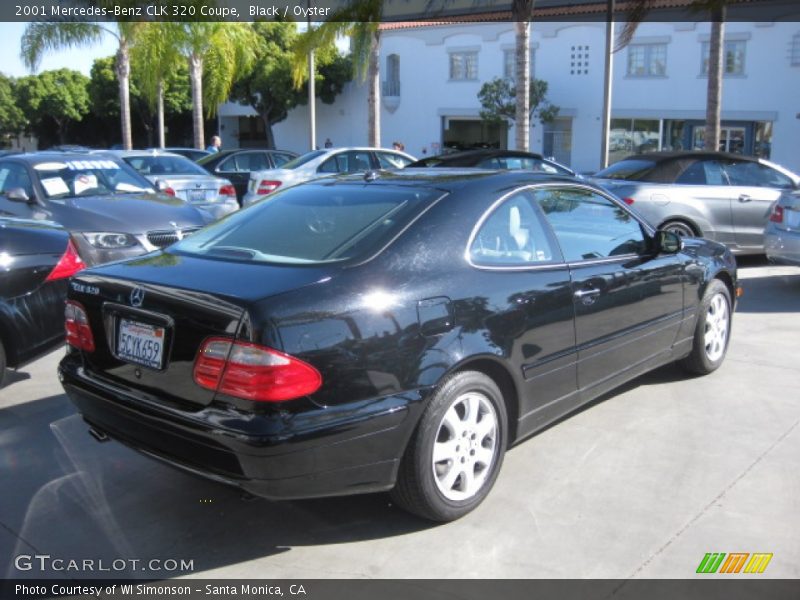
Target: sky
x,y
80,59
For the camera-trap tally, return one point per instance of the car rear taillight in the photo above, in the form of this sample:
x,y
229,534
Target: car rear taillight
x,y
69,263
253,372
227,190
628,201
267,186
777,214
76,324
168,191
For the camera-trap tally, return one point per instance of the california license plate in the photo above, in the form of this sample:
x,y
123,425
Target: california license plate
x,y
141,343
792,218
197,195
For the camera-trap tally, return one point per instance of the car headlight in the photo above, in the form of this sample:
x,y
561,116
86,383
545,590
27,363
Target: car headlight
x,y
110,240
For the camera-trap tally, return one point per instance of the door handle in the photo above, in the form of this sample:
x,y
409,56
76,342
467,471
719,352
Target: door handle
x,y
587,296
744,198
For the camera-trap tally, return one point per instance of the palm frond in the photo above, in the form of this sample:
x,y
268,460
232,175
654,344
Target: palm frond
x,y
40,38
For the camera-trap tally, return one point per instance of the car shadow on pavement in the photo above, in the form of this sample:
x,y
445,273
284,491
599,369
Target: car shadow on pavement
x,y
11,377
69,496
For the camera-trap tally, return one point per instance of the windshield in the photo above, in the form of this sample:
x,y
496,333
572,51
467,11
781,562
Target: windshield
x,y
632,169
73,178
164,165
311,224
301,160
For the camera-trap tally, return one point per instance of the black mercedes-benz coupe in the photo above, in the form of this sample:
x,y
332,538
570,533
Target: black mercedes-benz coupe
x,y
36,260
388,331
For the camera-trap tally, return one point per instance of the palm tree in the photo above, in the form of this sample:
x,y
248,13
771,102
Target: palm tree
x,y
521,13
716,9
361,22
154,57
40,37
217,52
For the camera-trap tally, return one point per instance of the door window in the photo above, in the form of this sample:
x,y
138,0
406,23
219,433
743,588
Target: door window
x,y
279,158
15,176
703,172
389,160
346,162
513,236
754,174
590,226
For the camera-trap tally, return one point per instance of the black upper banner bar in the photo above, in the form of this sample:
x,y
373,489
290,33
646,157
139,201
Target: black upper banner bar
x,y
376,10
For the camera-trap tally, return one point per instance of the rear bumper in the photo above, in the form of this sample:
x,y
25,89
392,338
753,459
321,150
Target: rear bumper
x,y
348,449
782,246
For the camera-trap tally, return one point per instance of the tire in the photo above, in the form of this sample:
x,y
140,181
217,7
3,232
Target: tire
x,y
455,454
680,228
712,332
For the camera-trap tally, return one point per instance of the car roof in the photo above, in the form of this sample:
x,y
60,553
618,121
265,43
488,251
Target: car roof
x,y
49,156
665,156
450,179
140,153
484,153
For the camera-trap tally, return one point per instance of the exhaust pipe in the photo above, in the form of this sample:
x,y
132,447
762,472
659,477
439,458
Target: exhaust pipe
x,y
98,435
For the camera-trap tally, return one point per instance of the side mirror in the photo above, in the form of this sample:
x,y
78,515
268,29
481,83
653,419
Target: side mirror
x,y
18,195
668,242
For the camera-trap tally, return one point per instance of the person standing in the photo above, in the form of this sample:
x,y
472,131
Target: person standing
x,y
215,145
328,143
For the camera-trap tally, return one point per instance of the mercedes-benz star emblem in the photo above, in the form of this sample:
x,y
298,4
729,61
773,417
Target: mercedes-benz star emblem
x,y
137,296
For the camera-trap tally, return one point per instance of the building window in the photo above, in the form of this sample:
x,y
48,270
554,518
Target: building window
x,y
579,60
510,63
647,60
732,57
391,86
794,51
463,65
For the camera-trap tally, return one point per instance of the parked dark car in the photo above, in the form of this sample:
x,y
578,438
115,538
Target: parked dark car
x,y
495,159
36,260
719,196
113,211
388,331
236,165
194,154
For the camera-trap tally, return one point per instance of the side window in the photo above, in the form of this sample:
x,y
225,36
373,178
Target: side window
x,y
755,174
252,161
15,176
513,235
388,160
703,172
228,166
279,159
357,161
589,226
330,166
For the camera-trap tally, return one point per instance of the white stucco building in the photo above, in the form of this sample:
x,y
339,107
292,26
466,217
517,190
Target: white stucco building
x,y
431,75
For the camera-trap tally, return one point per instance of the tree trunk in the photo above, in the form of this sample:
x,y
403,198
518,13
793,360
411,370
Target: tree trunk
x,y
374,97
160,116
523,86
123,67
521,11
268,133
196,77
715,68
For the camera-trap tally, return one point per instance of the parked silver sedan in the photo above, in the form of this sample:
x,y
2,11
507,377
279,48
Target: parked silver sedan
x,y
178,176
322,163
723,197
782,234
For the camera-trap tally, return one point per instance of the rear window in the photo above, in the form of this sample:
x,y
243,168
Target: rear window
x,y
633,170
311,224
301,160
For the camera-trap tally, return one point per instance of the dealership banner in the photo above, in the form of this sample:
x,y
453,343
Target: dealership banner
x,y
372,10
406,589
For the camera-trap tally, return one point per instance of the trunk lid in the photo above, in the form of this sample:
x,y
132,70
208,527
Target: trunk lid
x,y
149,317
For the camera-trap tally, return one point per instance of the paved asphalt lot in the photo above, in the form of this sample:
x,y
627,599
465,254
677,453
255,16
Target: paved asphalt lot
x,y
641,483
